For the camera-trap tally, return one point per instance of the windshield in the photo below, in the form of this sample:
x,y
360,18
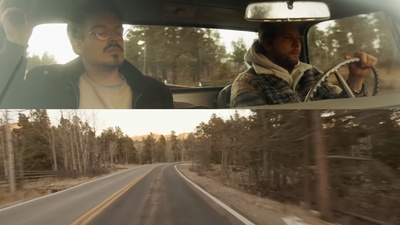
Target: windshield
x,y
184,56
330,41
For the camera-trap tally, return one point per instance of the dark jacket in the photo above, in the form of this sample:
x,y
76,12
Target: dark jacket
x,y
57,86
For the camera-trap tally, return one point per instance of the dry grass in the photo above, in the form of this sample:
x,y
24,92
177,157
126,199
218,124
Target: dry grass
x,y
7,199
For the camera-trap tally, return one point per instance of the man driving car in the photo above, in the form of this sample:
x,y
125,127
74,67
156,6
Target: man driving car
x,y
276,75
99,78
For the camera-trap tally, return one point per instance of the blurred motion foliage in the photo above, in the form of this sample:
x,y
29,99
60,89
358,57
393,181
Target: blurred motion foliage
x,y
271,153
187,55
329,42
183,55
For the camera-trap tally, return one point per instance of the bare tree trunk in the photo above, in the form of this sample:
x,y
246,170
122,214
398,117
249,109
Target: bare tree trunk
x,y
182,154
171,154
103,157
277,178
85,154
20,164
223,166
322,167
112,147
306,174
265,164
65,150
3,152
53,150
77,134
62,135
78,155
306,164
224,154
126,150
139,155
167,151
265,151
126,158
95,149
153,155
81,152
72,149
10,153
95,161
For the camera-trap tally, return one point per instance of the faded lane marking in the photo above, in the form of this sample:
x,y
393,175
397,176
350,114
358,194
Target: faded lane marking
x,y
90,215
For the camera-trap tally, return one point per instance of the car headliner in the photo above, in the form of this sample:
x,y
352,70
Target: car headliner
x,y
196,13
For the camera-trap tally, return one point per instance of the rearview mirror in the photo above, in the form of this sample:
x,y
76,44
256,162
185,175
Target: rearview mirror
x,y
290,11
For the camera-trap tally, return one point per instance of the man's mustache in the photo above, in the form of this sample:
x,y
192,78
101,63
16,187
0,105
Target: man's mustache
x,y
113,46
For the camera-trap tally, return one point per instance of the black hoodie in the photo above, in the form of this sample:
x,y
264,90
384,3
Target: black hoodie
x,y
57,86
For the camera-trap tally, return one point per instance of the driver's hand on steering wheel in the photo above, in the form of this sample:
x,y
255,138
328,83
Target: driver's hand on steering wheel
x,y
18,28
358,70
361,69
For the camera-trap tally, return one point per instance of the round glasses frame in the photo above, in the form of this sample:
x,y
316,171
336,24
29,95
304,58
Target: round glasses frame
x,y
106,36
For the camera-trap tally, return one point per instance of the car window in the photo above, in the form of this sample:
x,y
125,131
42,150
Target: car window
x,y
184,56
330,41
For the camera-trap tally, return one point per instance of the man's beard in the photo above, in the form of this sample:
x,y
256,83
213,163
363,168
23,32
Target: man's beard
x,y
114,63
117,62
289,64
286,62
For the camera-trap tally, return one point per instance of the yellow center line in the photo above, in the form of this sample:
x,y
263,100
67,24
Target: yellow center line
x,y
87,217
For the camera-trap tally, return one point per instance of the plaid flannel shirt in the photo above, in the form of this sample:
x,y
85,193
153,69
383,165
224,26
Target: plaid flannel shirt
x,y
250,89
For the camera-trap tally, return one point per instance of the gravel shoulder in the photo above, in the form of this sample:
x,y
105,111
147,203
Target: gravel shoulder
x,y
258,210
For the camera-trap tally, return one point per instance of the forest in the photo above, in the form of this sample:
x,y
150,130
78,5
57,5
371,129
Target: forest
x,y
187,55
336,161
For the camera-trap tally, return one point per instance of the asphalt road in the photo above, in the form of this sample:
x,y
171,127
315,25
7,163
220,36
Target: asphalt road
x,y
145,195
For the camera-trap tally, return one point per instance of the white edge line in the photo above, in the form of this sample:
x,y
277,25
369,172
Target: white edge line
x,y
219,202
59,192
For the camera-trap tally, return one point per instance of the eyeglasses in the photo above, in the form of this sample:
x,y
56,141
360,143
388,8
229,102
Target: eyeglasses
x,y
104,34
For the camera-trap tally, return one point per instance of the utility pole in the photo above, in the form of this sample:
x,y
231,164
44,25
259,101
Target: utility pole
x,y
10,153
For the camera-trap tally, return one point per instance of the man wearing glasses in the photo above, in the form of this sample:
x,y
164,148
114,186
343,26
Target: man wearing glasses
x,y
99,78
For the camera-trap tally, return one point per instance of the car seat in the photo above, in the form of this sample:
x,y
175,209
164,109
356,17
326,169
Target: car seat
x,y
224,98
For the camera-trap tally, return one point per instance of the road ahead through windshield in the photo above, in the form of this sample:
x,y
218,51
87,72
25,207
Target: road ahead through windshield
x,y
145,195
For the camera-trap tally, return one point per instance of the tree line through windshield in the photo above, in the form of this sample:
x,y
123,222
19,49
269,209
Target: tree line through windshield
x,y
189,55
342,163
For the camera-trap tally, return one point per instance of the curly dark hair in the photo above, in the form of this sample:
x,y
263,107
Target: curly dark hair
x,y
267,30
88,7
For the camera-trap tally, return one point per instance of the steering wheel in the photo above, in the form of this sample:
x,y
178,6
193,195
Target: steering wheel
x,y
335,70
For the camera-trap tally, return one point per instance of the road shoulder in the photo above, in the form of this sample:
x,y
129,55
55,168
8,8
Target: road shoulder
x,y
257,209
